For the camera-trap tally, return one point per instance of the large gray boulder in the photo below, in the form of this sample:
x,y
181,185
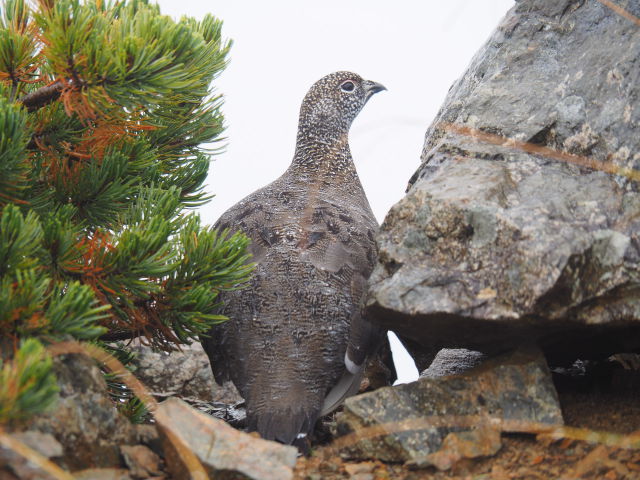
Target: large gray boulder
x,y
507,232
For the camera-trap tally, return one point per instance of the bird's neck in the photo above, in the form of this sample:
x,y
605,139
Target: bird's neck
x,y
323,155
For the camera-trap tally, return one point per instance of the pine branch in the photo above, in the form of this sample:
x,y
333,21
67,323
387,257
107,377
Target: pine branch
x,y
94,189
118,336
41,97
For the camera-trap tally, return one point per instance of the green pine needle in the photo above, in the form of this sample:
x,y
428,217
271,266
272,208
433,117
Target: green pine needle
x,y
27,383
104,110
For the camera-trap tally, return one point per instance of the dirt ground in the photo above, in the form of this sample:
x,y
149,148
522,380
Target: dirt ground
x,y
610,404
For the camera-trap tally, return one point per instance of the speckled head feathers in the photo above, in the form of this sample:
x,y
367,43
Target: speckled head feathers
x,y
333,102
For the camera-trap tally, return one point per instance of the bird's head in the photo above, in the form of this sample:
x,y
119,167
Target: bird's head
x,y
333,102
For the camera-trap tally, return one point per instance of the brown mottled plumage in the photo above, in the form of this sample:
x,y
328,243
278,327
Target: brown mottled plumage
x,y
312,233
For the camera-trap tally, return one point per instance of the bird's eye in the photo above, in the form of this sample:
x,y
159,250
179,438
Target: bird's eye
x,y
347,86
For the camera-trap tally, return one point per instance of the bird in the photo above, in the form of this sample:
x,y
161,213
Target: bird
x,y
296,343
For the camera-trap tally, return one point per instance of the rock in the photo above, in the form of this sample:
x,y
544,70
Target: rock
x,y
223,451
43,443
408,423
380,370
13,465
147,435
359,468
482,442
141,461
503,236
453,361
102,474
360,471
235,415
84,420
421,356
185,374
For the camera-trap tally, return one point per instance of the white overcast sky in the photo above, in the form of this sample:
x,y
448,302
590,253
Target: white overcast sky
x,y
417,49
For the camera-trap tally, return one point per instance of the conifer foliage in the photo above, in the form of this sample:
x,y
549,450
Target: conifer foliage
x,y
104,106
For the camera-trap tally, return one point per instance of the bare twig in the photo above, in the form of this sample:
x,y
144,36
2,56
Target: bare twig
x,y
620,11
542,430
493,139
117,336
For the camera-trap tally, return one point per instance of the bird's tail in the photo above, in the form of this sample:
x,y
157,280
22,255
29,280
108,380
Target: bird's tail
x,y
285,425
348,385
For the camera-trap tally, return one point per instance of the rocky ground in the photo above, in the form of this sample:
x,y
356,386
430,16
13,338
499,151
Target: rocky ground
x,y
591,397
588,404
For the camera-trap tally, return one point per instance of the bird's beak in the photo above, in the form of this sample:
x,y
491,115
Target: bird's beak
x,y
371,88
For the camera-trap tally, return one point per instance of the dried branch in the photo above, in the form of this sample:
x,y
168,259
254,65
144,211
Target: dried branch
x,y
534,149
118,336
620,11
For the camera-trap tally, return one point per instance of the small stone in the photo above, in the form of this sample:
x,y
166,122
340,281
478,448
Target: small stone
x,y
142,462
362,476
102,474
356,468
482,442
42,443
499,473
148,435
331,465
